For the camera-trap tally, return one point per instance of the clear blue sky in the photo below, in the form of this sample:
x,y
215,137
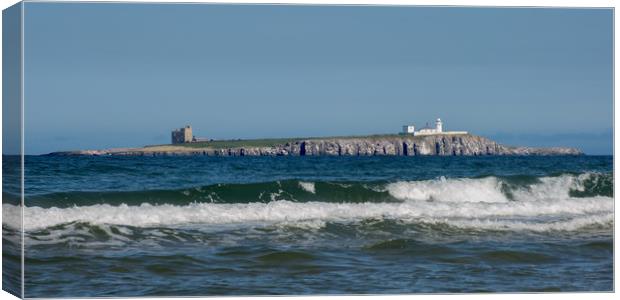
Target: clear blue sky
x,y
115,75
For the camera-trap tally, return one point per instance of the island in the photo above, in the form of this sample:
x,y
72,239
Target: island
x,y
435,143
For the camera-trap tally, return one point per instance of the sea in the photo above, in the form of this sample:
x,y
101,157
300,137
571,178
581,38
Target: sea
x,y
115,226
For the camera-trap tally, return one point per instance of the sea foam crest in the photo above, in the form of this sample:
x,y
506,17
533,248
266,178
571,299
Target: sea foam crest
x,y
450,190
488,189
542,204
308,187
146,215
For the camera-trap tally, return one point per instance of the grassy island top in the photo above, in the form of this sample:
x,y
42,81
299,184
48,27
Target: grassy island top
x,y
272,142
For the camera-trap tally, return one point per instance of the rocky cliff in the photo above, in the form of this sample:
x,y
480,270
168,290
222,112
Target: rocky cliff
x,y
402,145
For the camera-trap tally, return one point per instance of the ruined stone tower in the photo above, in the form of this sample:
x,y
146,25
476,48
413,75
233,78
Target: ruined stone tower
x,y
182,135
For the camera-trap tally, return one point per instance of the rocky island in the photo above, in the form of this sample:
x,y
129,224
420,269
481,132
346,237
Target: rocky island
x,y
443,144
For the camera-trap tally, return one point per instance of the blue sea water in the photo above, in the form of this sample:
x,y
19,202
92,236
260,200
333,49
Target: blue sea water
x,y
204,226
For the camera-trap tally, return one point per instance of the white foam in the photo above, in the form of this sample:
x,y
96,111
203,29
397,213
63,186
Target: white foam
x,y
488,189
472,203
308,187
147,215
570,224
552,188
449,190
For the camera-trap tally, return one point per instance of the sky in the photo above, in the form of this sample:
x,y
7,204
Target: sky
x,y
124,75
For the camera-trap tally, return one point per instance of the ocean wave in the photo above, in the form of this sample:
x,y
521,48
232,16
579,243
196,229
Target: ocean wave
x,y
485,189
562,202
508,215
503,189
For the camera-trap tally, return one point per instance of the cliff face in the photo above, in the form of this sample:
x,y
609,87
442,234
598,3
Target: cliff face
x,y
445,145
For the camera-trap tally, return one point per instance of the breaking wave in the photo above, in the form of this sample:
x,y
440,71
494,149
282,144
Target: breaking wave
x,y
510,215
504,189
483,189
563,202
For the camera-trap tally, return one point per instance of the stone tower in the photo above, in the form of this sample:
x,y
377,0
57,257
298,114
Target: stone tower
x,y
438,125
182,135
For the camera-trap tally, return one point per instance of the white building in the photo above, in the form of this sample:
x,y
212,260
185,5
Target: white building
x,y
410,129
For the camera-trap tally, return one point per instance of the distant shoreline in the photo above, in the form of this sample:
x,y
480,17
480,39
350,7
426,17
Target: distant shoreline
x,y
441,144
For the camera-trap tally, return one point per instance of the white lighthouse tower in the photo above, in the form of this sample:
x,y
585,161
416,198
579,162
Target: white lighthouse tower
x,y
438,126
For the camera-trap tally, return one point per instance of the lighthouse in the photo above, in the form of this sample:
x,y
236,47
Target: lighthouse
x,y
427,130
